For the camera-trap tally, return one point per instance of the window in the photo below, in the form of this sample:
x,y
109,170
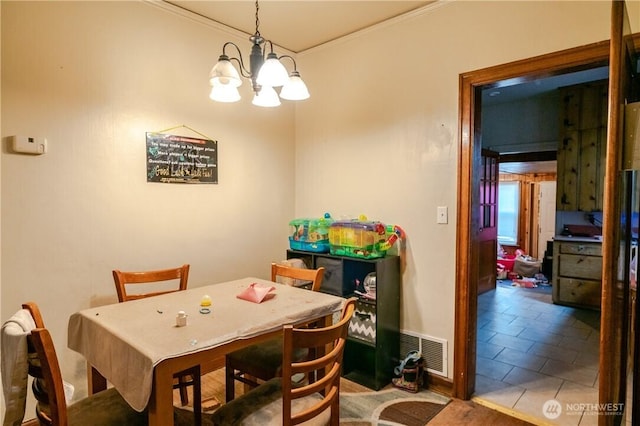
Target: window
x,y
508,212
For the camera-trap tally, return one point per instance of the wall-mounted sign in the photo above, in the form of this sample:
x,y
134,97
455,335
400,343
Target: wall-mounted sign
x,y
181,159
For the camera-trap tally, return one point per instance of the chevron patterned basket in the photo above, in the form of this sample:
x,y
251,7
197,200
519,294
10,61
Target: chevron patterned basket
x,y
363,323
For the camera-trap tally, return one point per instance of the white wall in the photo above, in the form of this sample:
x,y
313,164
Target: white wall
x,y
93,77
381,137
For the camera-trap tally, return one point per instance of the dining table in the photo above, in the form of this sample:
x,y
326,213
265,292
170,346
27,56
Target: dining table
x,y
138,346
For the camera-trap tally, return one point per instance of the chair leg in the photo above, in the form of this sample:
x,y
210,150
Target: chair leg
x,y
183,383
197,395
249,382
335,411
195,381
229,381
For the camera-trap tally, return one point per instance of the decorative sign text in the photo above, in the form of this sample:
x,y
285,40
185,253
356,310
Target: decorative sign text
x,y
181,159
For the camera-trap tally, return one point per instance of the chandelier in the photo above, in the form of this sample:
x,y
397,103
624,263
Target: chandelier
x,y
265,74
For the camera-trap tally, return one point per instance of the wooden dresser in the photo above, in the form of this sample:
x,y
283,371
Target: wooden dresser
x,y
577,272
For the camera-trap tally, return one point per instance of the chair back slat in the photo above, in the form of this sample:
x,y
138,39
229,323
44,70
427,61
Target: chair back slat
x,y
34,310
47,385
44,368
313,275
323,367
125,281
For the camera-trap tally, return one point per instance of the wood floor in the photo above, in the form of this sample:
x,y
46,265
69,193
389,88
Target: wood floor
x,y
457,412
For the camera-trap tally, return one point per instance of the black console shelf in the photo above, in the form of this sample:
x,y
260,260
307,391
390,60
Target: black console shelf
x,y
373,345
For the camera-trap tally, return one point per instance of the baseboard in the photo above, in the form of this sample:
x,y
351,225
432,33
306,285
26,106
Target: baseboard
x,y
438,384
31,422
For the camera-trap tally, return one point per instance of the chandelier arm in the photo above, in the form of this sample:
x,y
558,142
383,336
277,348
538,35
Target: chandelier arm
x,y
245,73
295,66
265,46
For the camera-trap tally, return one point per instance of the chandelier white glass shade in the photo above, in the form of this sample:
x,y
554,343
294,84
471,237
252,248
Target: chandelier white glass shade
x,y
295,89
265,74
224,93
266,97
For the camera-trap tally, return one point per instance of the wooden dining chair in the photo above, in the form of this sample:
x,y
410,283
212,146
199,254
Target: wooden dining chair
x,y
293,276
282,400
103,408
135,285
263,360
142,284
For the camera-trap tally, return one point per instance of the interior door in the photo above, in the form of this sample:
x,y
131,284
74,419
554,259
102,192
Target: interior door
x,y
546,216
616,242
488,224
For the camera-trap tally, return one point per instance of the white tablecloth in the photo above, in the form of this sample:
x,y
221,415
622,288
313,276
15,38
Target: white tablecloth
x,y
125,341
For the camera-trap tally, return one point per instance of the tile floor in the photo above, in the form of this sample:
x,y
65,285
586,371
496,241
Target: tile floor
x,y
531,351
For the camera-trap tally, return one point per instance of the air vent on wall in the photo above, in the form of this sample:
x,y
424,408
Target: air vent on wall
x,y
434,350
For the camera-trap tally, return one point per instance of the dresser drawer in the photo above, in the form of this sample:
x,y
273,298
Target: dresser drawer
x,y
579,292
578,266
584,249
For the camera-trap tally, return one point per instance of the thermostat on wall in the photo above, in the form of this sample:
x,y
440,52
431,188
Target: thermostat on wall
x,y
28,144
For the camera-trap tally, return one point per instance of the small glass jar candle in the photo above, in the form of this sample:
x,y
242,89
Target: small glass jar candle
x,y
206,300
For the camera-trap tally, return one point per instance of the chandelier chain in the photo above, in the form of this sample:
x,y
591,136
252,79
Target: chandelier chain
x,y
257,19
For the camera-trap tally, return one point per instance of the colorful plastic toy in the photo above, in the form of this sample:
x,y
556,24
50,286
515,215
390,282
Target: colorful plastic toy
x,y
310,234
362,238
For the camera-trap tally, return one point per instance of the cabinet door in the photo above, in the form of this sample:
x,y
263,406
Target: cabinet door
x,y
568,166
581,150
571,101
590,106
588,184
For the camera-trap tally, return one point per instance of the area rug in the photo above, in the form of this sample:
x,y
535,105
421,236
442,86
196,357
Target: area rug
x,y
390,407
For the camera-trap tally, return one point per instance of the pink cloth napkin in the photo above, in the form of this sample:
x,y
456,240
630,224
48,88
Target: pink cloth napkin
x,y
256,293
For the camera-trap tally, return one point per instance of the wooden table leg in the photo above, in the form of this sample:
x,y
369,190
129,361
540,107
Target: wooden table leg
x,y
95,381
161,399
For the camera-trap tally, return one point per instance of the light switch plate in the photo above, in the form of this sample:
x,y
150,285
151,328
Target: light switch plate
x,y
442,215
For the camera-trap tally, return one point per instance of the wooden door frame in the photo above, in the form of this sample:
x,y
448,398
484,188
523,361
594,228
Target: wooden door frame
x,y
470,85
614,329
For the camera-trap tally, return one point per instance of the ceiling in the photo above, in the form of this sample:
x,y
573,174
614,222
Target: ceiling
x,y
514,92
540,167
300,25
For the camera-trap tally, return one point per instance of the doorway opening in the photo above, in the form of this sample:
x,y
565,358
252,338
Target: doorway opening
x,y
614,338
468,268
530,350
